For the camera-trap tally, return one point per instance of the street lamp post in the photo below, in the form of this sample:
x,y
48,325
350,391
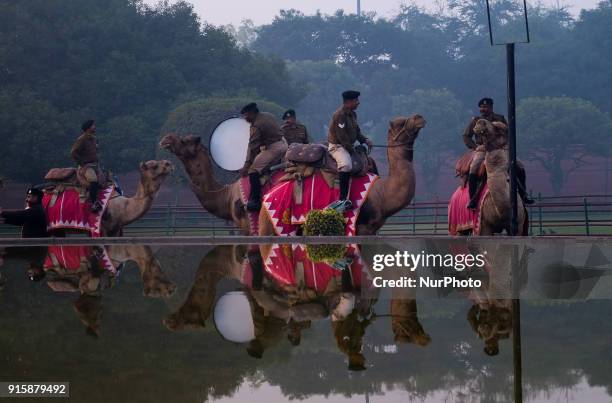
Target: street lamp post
x,y
500,22
509,42
359,7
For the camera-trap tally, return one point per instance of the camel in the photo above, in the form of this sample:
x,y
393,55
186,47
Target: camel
x,y
120,210
496,209
390,194
222,201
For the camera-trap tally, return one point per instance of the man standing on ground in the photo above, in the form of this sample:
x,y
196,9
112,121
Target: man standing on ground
x,y
32,219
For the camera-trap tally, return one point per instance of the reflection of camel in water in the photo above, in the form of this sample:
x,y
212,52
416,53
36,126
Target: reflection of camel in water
x,y
290,309
89,282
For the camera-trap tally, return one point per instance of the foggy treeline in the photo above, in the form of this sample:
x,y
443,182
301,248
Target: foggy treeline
x,y
130,65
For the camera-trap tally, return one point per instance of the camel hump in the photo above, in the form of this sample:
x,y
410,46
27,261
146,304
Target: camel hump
x,y
60,174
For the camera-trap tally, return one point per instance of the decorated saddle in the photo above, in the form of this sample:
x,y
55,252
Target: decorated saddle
x,y
66,201
74,268
317,156
288,203
460,218
66,207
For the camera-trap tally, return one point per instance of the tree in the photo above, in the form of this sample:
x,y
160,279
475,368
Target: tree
x,y
558,130
121,62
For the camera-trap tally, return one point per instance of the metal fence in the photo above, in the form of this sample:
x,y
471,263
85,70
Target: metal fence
x,y
551,215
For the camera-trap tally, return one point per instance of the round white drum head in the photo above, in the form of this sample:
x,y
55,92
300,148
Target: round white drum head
x,y
233,318
229,143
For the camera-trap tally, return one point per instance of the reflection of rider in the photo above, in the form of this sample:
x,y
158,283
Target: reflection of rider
x,y
85,153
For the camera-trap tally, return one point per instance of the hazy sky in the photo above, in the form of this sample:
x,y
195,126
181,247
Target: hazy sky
x,y
221,12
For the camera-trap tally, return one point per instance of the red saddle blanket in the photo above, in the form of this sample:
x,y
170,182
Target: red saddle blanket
x,y
66,210
287,214
461,218
290,265
71,258
245,191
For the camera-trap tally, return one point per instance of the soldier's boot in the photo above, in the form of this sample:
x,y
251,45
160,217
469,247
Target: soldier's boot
x,y
94,189
254,203
345,178
473,189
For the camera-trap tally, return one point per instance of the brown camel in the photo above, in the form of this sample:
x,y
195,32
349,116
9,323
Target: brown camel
x,y
222,201
122,211
496,209
390,194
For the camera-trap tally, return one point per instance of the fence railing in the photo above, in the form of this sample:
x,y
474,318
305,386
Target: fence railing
x,y
550,215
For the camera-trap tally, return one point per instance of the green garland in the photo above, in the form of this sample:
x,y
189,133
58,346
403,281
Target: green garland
x,y
328,222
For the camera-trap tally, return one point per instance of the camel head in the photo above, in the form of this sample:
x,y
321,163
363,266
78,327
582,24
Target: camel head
x,y
182,147
154,172
494,134
405,129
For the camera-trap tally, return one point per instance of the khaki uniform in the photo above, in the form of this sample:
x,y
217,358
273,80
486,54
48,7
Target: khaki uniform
x,y
296,133
343,132
85,153
266,143
472,140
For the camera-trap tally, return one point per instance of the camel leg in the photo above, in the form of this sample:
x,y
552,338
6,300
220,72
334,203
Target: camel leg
x,y
265,225
224,261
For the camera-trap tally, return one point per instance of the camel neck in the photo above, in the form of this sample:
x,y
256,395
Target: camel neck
x,y
399,185
213,196
142,200
200,171
497,177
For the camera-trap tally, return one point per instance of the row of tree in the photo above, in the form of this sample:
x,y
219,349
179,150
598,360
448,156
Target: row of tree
x,y
440,64
121,62
135,68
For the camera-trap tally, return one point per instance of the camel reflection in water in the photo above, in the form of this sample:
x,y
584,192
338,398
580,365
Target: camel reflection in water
x,y
280,294
88,271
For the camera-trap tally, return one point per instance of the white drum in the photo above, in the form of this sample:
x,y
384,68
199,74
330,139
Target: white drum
x,y
233,318
229,143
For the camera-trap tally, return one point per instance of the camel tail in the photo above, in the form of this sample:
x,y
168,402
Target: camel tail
x,y
525,231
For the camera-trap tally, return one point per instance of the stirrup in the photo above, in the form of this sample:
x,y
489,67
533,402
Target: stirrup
x,y
341,205
342,264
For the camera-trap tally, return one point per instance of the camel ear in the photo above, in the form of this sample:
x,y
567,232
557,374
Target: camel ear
x,y
142,166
